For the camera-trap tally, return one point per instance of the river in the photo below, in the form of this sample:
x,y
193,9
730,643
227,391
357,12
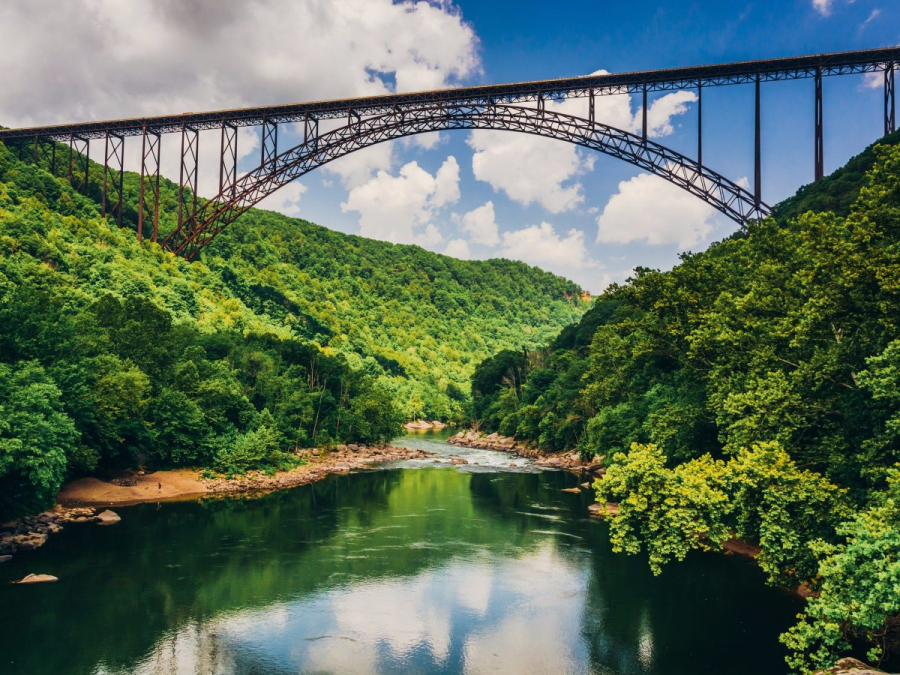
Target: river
x,y
416,567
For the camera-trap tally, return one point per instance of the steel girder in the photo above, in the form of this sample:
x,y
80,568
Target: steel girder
x,y
148,197
79,171
214,215
670,79
113,174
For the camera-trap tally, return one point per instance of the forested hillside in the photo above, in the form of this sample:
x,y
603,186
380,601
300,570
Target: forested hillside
x,y
285,334
753,390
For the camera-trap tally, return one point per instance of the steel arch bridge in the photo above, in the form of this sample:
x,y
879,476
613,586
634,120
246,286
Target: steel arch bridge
x,y
519,107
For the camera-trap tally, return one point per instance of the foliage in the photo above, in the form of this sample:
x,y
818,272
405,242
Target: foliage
x,y
859,591
758,495
758,387
35,436
284,335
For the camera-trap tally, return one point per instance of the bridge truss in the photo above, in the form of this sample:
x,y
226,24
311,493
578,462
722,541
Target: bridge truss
x,y
519,107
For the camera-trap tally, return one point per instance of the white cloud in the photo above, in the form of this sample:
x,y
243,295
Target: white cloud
x,y
399,208
649,208
446,183
662,110
458,248
874,14
119,56
823,7
529,168
873,80
357,167
481,225
541,245
286,200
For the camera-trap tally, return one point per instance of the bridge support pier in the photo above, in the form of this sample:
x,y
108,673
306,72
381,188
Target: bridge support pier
x,y
187,174
700,122
644,112
228,158
890,103
757,159
311,131
46,149
113,172
269,149
82,148
820,138
148,199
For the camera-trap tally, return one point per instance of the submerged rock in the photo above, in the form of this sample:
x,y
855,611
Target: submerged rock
x,y
5,558
604,510
38,579
108,517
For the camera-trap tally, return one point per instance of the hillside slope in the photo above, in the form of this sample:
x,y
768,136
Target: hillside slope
x,y
751,391
416,320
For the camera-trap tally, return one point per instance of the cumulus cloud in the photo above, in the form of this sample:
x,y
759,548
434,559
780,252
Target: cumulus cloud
x,y
458,248
661,111
530,169
481,225
400,208
128,58
648,208
541,245
286,200
133,58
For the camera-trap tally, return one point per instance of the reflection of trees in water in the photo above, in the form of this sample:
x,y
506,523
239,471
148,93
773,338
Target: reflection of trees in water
x,y
163,567
157,581
698,616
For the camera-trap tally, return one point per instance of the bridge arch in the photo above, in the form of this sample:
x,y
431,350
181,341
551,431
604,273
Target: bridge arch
x,y
213,216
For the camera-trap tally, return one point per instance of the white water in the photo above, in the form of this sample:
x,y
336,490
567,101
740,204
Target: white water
x,y
435,442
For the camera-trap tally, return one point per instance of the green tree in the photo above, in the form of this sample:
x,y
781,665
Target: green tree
x,y
36,437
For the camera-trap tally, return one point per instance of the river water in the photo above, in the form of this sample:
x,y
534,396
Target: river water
x,y
419,567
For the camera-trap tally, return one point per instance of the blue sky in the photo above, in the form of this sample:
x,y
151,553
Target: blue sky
x,y
580,214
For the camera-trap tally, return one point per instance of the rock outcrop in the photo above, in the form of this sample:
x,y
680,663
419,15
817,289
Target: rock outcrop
x,y
32,532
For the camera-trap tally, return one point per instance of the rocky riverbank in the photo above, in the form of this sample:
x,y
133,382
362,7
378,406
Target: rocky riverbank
x,y
32,532
571,460
81,501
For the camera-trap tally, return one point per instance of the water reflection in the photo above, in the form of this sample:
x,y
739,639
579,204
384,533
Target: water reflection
x,y
430,570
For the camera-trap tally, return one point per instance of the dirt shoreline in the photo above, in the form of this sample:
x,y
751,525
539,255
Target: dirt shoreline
x,y
79,500
129,488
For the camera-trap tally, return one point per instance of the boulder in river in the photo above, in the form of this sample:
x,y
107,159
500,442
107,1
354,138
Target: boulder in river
x,y
5,558
38,579
850,666
603,510
29,542
108,517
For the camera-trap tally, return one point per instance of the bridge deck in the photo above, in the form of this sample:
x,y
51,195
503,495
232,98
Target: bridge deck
x,y
789,68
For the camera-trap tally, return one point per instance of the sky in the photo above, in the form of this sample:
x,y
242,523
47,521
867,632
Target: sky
x,y
478,194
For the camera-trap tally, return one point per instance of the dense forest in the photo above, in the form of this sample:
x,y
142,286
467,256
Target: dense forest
x,y
752,391
283,335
